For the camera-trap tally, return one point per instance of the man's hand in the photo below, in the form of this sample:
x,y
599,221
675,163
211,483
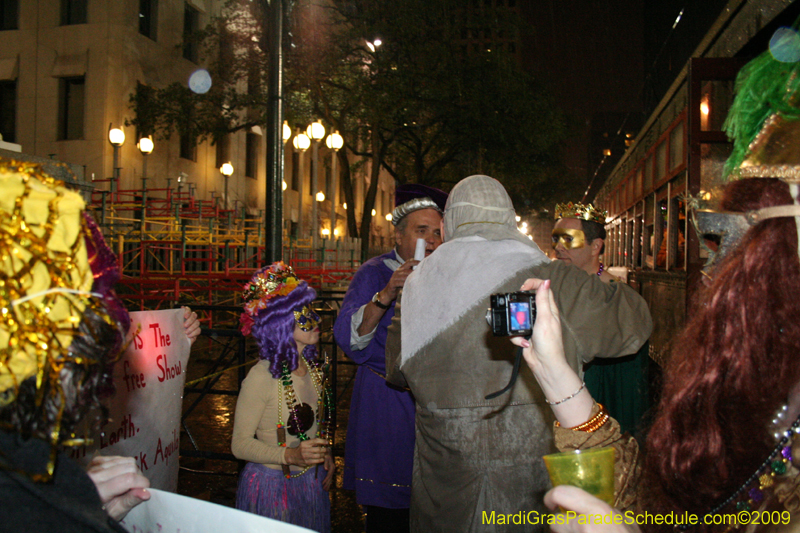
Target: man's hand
x,y
191,325
372,313
120,484
581,502
396,282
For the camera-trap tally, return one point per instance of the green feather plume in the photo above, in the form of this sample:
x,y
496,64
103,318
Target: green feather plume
x,y
764,86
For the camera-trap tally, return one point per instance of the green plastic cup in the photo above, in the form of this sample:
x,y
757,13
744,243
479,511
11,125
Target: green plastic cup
x,y
591,470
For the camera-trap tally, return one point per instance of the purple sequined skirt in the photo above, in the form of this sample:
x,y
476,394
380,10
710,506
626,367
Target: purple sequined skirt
x,y
301,500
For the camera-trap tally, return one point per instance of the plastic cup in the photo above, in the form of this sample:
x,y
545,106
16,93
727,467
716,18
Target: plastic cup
x,y
591,470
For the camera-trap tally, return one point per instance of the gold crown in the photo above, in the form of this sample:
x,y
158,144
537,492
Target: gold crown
x,y
583,212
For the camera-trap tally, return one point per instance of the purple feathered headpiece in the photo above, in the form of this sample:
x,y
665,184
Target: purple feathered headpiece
x,y
271,297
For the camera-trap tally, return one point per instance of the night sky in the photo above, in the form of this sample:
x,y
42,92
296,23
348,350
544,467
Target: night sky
x,y
608,64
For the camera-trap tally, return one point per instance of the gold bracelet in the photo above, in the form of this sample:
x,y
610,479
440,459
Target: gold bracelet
x,y
594,423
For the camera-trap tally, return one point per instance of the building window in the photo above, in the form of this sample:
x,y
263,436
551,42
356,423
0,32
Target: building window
x,y
251,155
9,14
191,25
223,150
311,170
71,103
8,110
188,147
295,171
73,12
148,18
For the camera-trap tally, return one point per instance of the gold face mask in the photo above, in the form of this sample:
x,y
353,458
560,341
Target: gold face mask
x,y
306,319
569,238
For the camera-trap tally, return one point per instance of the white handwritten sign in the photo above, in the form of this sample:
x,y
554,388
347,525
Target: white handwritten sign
x,y
170,513
145,412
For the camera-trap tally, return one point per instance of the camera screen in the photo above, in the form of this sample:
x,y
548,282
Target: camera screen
x,y
520,315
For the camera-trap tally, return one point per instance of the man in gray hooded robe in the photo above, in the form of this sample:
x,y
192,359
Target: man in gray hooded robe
x,y
477,462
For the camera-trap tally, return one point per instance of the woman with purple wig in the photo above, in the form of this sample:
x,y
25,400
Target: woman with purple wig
x,y
282,415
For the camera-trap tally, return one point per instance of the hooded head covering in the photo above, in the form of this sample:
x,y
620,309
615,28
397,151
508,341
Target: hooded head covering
x,y
480,206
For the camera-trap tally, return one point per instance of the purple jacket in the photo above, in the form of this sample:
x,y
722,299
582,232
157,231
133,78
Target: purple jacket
x,y
380,429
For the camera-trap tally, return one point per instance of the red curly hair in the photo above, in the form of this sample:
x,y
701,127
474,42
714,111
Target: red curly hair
x,y
732,368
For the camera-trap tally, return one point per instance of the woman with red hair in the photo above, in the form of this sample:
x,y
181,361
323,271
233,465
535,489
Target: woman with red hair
x,y
721,439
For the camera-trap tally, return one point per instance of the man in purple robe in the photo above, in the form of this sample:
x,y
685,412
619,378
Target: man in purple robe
x,y
380,430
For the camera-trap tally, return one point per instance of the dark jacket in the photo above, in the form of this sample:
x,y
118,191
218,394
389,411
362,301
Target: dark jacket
x,y
69,502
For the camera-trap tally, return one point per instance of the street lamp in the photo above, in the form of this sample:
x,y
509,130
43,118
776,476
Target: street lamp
x,y
117,138
287,131
301,142
316,131
227,170
145,145
334,142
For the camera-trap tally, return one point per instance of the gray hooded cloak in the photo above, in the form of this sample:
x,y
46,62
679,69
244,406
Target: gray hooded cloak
x,y
477,462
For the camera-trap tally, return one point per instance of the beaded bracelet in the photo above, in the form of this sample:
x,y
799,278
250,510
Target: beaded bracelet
x,y
594,423
571,396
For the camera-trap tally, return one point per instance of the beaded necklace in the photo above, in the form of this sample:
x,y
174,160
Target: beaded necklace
x,y
601,269
776,464
298,425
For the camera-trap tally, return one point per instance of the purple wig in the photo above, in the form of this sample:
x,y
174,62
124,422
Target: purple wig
x,y
105,269
273,328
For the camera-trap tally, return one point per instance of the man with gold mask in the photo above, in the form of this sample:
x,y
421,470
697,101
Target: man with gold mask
x,y
620,384
579,238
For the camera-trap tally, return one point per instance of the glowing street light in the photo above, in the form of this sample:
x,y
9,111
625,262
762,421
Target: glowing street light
x,y
334,141
316,131
226,170
301,142
287,131
145,146
117,138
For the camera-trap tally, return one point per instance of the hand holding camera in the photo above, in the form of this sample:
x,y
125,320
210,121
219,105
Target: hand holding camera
x,y
544,353
512,313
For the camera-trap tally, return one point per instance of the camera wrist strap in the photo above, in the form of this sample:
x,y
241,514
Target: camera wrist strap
x,y
514,374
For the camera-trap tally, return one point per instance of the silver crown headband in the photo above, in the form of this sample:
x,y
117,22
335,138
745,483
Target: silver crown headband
x,y
413,205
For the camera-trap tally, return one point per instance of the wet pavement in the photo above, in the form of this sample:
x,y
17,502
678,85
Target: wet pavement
x,y
209,426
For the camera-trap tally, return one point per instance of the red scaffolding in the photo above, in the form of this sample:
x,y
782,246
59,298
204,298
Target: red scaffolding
x,y
175,249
